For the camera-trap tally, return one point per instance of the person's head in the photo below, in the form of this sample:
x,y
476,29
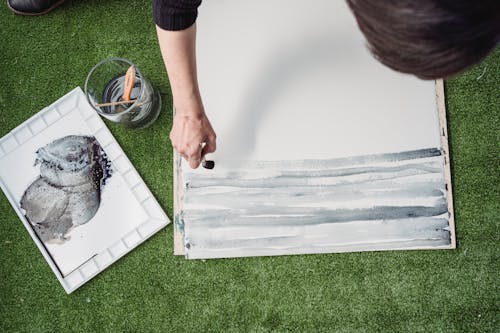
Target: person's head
x,y
429,38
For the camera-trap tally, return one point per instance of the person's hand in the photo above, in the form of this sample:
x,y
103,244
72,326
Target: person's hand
x,y
189,133
192,135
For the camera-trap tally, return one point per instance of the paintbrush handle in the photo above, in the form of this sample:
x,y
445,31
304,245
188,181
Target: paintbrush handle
x,y
129,83
116,103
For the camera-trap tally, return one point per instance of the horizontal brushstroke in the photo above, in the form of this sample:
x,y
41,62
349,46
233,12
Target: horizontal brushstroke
x,y
269,216
301,197
410,184
282,181
284,242
430,167
327,164
382,201
333,233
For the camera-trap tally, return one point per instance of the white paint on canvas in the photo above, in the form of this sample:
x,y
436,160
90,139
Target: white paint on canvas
x,y
293,80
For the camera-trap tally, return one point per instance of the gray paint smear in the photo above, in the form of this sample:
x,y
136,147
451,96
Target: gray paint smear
x,y
292,216
349,162
283,242
73,170
300,196
385,201
304,178
429,167
376,186
359,231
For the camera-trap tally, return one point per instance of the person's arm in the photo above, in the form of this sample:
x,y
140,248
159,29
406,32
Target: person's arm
x,y
191,126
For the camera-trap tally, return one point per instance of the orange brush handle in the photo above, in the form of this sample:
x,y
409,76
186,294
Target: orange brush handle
x,y
129,83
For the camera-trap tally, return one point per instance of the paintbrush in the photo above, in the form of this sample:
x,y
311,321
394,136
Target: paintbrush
x,y
116,103
129,83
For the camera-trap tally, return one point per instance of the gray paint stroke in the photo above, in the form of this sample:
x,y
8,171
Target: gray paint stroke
x,y
374,202
73,171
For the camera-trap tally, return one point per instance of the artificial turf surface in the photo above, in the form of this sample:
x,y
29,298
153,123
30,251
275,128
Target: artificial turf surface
x,y
42,58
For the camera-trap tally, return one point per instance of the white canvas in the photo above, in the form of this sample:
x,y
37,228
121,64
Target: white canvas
x,y
318,144
294,80
127,213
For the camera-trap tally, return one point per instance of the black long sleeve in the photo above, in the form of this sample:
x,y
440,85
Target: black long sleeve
x,y
175,14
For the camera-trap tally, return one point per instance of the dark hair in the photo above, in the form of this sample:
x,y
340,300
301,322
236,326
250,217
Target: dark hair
x,y
429,38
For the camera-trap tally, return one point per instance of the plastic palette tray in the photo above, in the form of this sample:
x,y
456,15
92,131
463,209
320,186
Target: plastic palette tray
x,y
128,213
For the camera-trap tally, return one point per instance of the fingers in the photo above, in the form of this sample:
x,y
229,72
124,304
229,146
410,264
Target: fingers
x,y
192,154
192,138
210,146
194,162
195,154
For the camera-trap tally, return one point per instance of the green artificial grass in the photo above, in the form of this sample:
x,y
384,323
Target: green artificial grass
x,y
150,290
